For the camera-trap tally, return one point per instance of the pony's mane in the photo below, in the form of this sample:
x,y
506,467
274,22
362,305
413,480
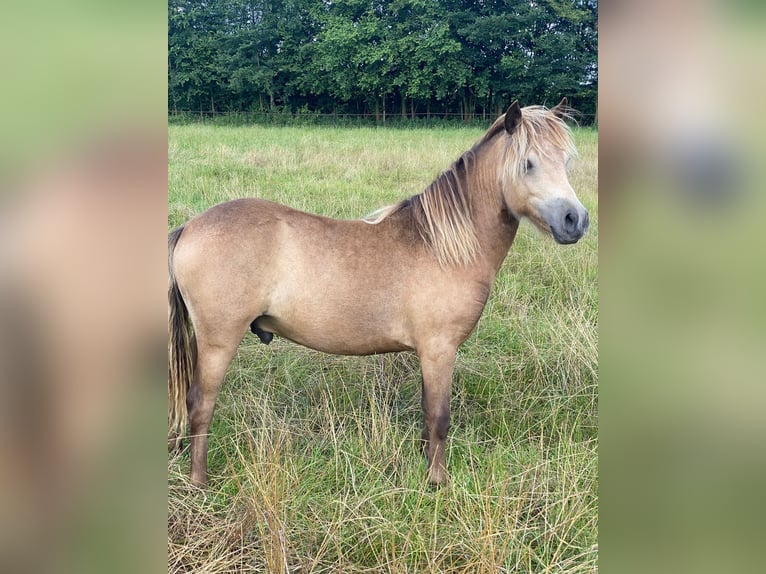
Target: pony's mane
x,y
442,212
442,215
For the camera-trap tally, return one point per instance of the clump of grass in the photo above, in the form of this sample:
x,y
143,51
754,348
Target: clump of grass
x,y
315,461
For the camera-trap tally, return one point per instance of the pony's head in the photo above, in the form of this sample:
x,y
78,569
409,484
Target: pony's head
x,y
533,178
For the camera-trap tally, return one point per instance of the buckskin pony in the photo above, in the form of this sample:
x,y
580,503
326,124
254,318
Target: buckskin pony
x,y
414,276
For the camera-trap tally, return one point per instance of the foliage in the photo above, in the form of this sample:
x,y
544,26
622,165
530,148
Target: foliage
x,y
381,56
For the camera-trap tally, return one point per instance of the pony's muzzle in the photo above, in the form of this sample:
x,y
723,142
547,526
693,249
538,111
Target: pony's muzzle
x,y
568,221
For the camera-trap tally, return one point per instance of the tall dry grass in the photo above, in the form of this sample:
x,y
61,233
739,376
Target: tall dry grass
x,y
314,459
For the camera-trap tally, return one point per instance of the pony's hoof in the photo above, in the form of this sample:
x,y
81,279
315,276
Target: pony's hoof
x,y
175,443
437,476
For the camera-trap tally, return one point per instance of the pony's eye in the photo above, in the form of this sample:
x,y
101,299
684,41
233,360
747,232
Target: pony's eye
x,y
529,165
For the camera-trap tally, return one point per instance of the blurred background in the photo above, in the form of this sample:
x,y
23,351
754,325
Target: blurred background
x,y
83,176
83,222
682,325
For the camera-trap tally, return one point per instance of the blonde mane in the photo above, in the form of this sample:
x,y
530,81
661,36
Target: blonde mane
x,y
442,212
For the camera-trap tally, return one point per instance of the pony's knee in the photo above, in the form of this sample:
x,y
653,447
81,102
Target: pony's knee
x,y
442,426
192,398
199,409
438,426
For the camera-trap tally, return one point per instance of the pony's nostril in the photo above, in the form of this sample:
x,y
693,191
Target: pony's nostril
x,y
570,222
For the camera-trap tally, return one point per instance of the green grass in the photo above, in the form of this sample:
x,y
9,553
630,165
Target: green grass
x,y
314,459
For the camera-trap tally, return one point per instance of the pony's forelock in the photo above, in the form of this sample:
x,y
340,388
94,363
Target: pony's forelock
x,y
538,126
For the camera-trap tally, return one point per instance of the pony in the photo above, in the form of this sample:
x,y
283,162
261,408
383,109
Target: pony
x,y
414,276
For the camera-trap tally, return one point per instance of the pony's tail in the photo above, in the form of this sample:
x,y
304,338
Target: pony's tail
x,y
182,350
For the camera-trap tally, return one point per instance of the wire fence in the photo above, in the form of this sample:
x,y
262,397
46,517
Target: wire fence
x,y
302,118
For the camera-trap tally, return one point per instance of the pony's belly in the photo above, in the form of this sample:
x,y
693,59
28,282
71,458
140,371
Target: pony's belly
x,y
335,336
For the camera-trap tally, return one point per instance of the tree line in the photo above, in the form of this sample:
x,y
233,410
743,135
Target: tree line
x,y
383,57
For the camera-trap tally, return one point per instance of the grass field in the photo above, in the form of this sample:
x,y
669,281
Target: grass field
x,y
314,459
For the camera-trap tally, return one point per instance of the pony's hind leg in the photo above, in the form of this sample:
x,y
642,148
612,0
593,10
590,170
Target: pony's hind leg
x,y
436,366
212,362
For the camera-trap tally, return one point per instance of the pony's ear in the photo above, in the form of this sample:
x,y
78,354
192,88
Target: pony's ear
x,y
561,109
512,117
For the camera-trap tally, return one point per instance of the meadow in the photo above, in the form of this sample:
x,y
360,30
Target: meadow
x,y
315,462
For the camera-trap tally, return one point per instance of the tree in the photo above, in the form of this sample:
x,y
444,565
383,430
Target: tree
x,y
374,55
195,78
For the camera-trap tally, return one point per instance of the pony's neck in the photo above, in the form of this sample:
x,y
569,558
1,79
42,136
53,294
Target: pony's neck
x,y
494,225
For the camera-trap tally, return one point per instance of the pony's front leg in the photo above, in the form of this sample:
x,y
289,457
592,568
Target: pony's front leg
x,y
436,365
208,375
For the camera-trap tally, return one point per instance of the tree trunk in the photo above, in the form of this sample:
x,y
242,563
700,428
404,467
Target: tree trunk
x,y
404,106
489,103
470,104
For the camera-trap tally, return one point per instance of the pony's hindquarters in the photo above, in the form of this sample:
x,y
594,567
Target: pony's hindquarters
x,y
213,289
181,351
